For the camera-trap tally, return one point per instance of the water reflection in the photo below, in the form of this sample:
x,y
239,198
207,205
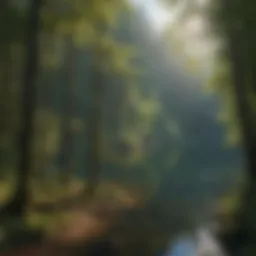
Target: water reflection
x,y
185,245
199,243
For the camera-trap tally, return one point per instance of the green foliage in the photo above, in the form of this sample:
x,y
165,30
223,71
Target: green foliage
x,y
234,22
136,124
86,22
47,133
229,203
90,24
115,57
46,141
225,23
221,84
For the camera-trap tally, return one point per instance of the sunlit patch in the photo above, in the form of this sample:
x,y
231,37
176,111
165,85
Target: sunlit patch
x,y
157,15
203,3
195,26
191,33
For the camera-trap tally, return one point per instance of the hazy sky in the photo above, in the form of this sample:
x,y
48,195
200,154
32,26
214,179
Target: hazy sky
x,y
158,16
190,34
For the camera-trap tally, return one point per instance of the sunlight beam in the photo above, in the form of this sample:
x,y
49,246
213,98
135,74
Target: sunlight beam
x,y
192,31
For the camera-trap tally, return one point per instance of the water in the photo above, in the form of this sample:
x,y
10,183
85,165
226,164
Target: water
x,y
183,246
202,242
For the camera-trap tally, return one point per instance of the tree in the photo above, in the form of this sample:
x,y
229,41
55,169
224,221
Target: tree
x,y
237,20
90,30
18,204
234,80
220,83
46,143
11,57
67,143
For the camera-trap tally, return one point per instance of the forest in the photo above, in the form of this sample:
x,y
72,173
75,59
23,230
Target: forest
x,y
99,116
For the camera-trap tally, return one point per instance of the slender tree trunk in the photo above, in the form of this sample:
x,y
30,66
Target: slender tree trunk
x,y
94,128
246,215
244,78
7,129
67,145
6,91
18,204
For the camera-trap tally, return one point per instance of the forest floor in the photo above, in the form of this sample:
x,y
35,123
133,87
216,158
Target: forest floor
x,y
51,193
52,222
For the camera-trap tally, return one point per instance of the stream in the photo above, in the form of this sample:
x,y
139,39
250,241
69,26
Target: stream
x,y
199,243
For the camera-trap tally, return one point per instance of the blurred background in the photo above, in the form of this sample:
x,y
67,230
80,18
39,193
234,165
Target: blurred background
x,y
145,104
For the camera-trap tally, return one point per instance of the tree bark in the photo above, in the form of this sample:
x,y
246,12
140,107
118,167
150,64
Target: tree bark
x,y
243,237
18,204
67,144
94,128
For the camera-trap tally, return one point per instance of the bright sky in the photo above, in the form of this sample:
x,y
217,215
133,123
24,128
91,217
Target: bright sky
x,y
191,33
158,16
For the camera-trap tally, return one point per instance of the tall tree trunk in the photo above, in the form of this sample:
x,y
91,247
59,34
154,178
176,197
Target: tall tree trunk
x,y
94,128
243,72
6,92
67,144
7,113
18,204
